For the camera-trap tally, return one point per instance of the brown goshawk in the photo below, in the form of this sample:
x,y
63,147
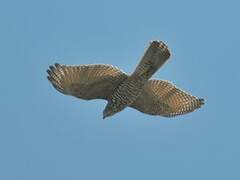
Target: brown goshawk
x,y
155,97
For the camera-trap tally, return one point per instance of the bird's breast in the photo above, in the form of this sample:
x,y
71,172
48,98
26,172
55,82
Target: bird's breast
x,y
127,92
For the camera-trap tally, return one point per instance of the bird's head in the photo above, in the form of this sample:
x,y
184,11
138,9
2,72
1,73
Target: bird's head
x,y
109,110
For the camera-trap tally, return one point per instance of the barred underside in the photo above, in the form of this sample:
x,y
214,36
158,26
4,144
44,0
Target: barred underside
x,y
127,92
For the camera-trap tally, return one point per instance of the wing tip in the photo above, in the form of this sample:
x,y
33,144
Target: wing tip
x,y
201,101
54,77
57,65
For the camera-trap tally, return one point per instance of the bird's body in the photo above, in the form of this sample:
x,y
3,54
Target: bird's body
x,y
155,97
125,94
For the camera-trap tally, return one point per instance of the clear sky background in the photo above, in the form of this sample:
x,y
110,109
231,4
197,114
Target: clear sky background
x,y
45,135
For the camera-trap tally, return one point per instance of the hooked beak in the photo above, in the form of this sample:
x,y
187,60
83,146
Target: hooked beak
x,y
104,117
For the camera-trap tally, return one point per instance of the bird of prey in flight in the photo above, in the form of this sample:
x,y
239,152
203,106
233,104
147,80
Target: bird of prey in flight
x,y
121,90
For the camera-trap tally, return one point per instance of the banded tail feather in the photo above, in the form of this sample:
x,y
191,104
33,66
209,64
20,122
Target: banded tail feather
x,y
154,57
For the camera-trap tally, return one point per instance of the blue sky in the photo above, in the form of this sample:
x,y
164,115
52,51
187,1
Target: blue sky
x,y
46,135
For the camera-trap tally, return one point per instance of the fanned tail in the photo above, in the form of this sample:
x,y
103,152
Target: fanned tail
x,y
155,56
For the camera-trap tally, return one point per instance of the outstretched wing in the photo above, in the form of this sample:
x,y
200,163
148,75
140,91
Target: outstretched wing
x,y
86,81
163,98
